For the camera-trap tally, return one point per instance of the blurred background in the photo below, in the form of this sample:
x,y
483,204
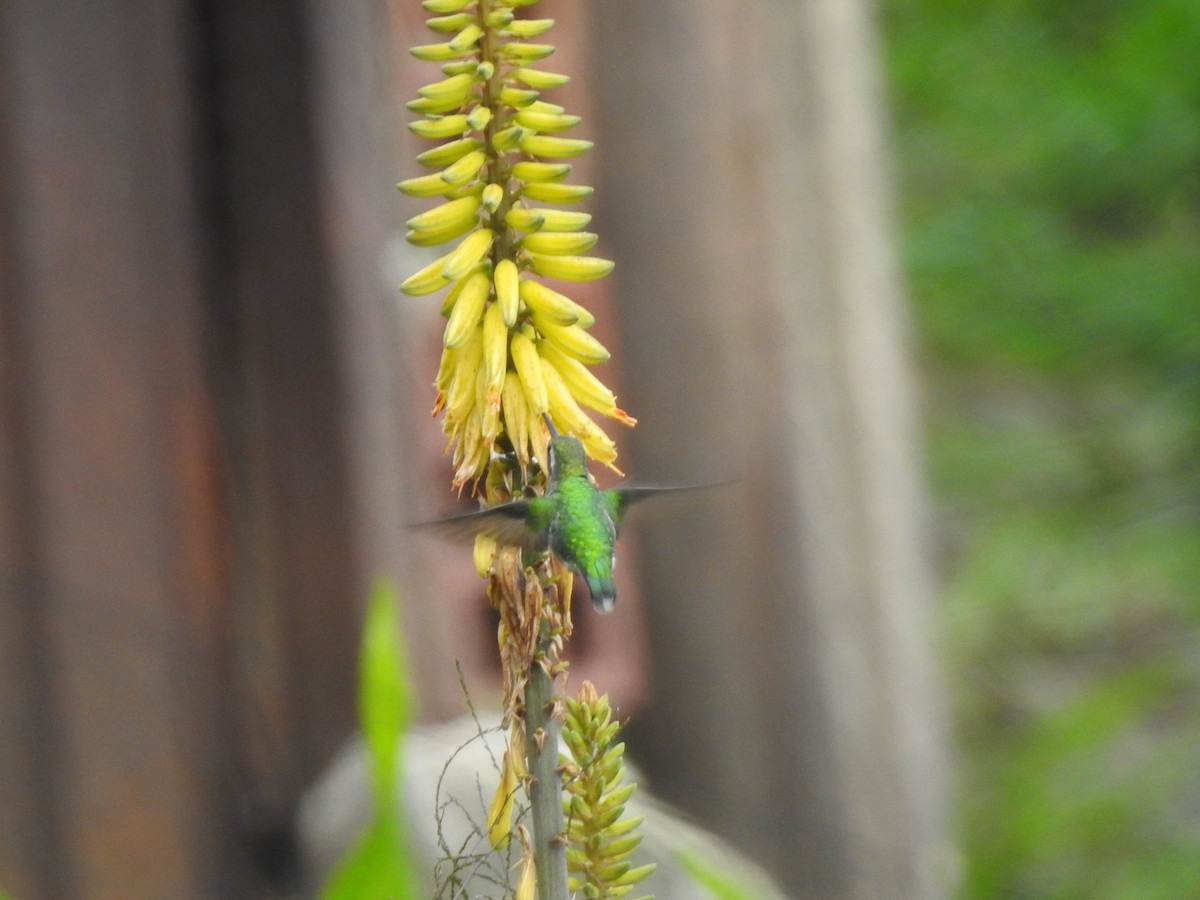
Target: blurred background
x,y
922,275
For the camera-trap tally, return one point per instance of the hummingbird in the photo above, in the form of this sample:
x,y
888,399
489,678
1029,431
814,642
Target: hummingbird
x,y
575,520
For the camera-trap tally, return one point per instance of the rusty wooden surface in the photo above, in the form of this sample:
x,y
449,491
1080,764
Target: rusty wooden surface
x,y
178,588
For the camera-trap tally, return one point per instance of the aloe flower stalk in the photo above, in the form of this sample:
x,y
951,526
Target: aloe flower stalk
x,y
516,358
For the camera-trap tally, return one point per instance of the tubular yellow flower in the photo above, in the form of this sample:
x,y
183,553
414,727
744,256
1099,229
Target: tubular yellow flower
x,y
539,79
449,152
549,305
465,168
516,418
495,352
508,296
541,171
572,340
583,385
441,7
570,268
521,219
425,186
468,253
426,281
529,368
551,192
439,127
560,243
562,219
464,317
450,214
484,554
555,147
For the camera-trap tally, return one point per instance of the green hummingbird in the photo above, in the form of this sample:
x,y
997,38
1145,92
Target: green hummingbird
x,y
575,520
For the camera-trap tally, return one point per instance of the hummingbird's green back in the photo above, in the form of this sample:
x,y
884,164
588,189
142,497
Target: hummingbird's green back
x,y
583,535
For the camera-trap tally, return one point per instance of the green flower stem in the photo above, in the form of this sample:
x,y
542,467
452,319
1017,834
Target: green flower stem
x,y
545,791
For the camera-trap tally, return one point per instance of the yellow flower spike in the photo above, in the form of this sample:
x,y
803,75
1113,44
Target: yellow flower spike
x,y
550,147
465,168
447,24
583,385
570,268
529,368
448,152
495,351
560,243
484,554
572,340
468,253
508,297
448,215
464,317
540,171
549,304
441,127
539,121
548,192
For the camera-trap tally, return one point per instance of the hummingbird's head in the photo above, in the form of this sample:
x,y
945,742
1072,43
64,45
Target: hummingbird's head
x,y
567,459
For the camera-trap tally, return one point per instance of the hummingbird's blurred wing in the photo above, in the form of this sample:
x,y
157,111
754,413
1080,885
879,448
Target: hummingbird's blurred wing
x,y
619,500
515,524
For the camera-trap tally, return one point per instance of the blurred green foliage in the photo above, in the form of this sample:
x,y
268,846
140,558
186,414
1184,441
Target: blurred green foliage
x,y
1049,163
381,863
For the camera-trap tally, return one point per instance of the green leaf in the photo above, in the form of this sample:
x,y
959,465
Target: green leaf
x,y
379,866
718,885
384,695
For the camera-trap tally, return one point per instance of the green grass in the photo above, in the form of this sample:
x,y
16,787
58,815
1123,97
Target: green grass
x,y
1049,161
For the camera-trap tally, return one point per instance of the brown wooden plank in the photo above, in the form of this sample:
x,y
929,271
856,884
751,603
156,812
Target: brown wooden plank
x,y
113,427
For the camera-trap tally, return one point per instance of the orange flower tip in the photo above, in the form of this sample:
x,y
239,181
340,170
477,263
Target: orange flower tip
x,y
623,417
438,405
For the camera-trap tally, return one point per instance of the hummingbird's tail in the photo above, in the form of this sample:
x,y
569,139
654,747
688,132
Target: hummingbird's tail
x,y
603,590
